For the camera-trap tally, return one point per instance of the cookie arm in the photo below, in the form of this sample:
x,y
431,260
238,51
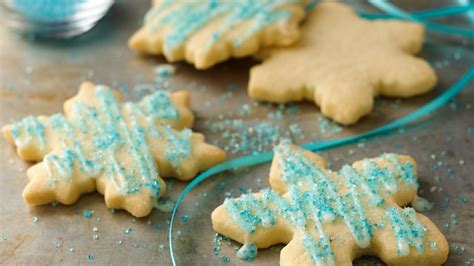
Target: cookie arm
x,y
183,154
46,187
33,137
434,252
387,240
341,97
263,237
402,182
276,179
405,76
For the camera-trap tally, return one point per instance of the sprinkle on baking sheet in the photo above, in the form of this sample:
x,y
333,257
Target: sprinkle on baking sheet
x,y
87,213
216,250
128,230
185,218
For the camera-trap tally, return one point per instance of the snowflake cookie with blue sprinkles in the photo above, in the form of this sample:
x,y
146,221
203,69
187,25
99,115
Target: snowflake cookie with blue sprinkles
x,y
207,32
333,217
120,149
342,62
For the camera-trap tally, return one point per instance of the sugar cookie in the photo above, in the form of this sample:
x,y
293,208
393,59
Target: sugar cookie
x,y
342,62
208,32
331,218
118,149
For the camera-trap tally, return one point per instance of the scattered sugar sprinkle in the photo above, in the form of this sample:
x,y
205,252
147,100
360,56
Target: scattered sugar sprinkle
x,y
35,219
165,70
87,213
216,250
454,220
469,262
157,227
459,250
328,127
433,245
241,138
185,218
444,203
128,230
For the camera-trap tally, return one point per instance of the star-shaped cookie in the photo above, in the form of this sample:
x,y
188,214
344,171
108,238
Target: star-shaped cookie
x,y
331,218
342,62
207,32
119,149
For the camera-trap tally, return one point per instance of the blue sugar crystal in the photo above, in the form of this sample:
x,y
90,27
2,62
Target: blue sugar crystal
x,y
87,213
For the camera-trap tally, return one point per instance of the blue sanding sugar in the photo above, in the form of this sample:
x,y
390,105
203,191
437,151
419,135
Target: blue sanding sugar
x,y
47,10
87,213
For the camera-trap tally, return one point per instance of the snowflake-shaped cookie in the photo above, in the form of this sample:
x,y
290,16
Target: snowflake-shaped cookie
x,y
118,149
207,32
342,62
331,218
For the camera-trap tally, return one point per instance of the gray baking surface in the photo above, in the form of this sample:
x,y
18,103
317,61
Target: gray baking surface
x,y
36,77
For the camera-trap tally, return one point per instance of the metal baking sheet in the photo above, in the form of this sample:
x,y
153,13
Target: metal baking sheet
x,y
36,77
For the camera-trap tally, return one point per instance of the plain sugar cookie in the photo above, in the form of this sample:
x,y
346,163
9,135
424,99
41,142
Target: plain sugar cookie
x,y
342,62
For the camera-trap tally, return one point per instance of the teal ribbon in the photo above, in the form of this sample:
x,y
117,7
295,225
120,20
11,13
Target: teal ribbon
x,y
444,11
427,13
252,160
420,17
